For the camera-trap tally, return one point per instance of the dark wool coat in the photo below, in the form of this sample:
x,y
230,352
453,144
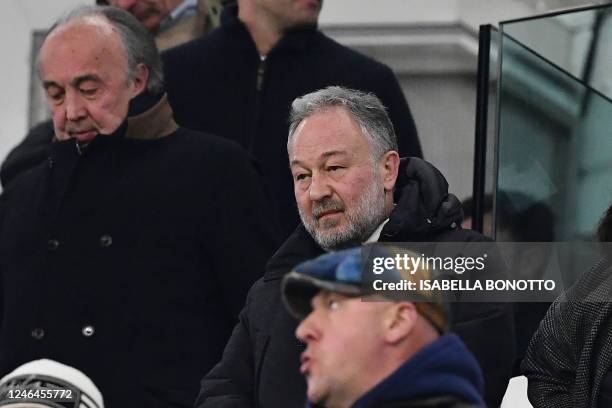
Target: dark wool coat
x,y
260,365
571,352
131,261
220,85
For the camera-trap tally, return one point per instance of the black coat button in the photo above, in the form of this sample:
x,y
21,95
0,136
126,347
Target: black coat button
x,y
38,333
106,241
53,244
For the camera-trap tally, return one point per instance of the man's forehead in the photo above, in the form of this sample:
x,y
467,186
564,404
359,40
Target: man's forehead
x,y
95,23
335,115
328,133
77,48
297,159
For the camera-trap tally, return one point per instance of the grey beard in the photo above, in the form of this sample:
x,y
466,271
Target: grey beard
x,y
362,220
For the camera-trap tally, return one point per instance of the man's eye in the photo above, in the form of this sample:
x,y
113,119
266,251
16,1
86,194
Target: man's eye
x,y
300,177
56,97
89,91
332,304
334,168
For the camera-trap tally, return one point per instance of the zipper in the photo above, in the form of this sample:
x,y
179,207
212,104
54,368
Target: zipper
x,y
261,70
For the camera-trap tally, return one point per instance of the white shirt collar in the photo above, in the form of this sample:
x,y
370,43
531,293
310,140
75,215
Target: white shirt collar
x,y
376,234
185,6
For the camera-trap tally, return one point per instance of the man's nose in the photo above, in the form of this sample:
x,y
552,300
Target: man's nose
x,y
307,329
75,108
319,188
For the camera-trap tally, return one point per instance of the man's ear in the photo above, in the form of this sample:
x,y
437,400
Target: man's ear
x,y
388,167
399,322
141,79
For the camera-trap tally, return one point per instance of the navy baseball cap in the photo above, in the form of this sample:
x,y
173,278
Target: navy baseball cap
x,y
342,272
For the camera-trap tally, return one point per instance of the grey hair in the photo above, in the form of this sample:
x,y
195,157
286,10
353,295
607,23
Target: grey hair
x,y
365,108
138,43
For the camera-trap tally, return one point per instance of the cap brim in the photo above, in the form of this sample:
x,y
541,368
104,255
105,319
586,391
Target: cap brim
x,y
298,290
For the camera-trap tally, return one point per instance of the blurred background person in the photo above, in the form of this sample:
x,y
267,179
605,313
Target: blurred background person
x,y
369,350
173,22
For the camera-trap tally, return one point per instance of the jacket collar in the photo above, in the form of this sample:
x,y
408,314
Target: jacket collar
x,y
423,203
442,368
296,39
153,122
443,371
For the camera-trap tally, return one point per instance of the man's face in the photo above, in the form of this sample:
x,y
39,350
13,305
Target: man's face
x,y
291,13
83,68
338,187
343,340
149,12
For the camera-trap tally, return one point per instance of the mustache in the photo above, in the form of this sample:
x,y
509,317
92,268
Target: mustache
x,y
326,205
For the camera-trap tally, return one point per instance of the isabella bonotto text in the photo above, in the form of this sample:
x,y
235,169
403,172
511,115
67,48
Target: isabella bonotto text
x,y
465,285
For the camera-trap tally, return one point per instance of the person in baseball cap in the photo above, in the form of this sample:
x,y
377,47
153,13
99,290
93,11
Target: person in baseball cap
x,y
366,348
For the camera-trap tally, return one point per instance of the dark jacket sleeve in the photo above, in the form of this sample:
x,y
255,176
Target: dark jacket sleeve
x,y
230,383
392,96
246,232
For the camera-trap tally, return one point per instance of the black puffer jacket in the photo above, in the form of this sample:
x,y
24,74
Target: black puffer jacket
x,y
260,365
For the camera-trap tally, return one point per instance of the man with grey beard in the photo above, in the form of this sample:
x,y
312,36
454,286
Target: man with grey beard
x,y
350,188
343,182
